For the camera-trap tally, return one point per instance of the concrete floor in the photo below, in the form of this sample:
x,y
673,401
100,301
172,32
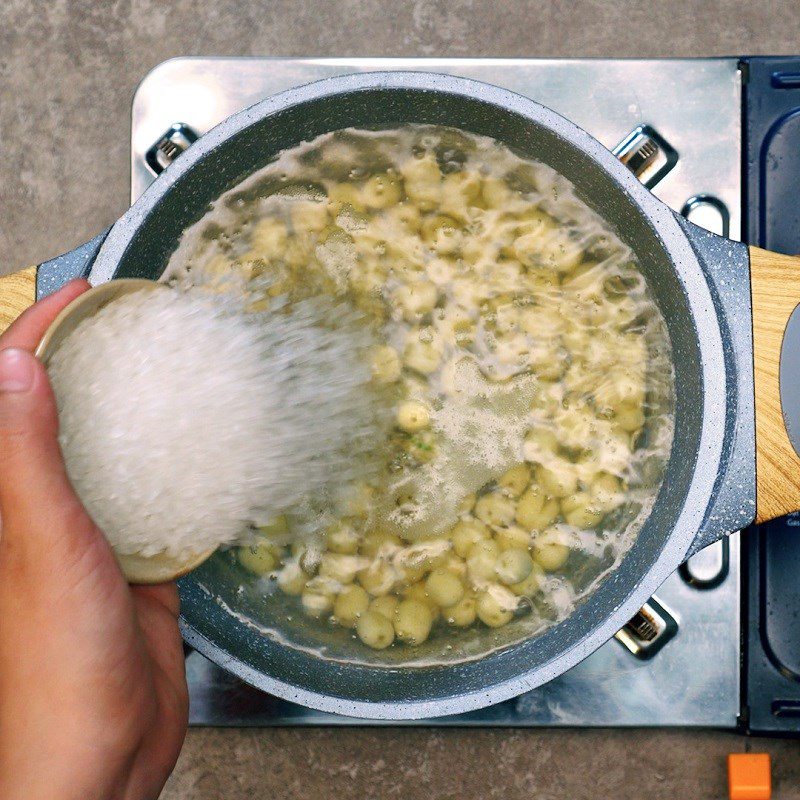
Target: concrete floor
x,y
68,69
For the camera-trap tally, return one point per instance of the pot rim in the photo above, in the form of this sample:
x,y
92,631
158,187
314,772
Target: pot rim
x,y
697,297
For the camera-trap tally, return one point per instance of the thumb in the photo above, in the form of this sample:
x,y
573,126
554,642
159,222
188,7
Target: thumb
x,y
38,506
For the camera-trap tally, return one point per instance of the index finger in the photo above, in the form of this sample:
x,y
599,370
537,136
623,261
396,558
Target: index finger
x,y
27,330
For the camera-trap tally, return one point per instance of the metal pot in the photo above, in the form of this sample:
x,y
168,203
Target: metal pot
x,y
701,283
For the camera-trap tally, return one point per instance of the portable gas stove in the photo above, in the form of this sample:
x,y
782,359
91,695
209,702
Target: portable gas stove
x,y
717,139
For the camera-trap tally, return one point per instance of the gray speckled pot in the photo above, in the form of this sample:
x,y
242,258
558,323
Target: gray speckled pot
x,y
701,283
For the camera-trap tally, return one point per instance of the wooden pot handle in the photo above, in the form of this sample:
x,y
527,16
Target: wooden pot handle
x,y
775,283
17,292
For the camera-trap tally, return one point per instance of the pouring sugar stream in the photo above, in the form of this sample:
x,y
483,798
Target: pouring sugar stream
x,y
190,415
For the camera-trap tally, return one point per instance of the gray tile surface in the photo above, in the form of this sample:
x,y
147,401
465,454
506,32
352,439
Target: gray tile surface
x,y
462,765
68,70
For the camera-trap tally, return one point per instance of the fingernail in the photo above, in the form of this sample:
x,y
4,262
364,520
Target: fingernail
x,y
17,370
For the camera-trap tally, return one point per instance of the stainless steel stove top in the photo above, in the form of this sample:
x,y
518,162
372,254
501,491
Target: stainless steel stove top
x,y
689,113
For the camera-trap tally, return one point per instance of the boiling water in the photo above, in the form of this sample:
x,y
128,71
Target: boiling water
x,y
527,363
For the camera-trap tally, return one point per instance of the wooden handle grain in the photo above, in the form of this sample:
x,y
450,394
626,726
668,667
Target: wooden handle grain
x,y
17,292
775,282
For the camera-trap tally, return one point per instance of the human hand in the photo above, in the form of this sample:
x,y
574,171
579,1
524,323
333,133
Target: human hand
x,y
93,697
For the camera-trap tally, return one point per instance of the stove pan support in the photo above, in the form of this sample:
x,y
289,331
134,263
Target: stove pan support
x,y
677,124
